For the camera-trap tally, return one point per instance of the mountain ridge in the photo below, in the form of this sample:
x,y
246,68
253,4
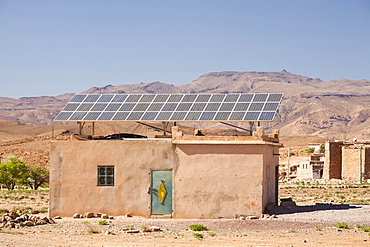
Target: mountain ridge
x,y
337,109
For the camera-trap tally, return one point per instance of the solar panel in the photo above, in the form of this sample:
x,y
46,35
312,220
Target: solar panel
x,y
106,116
171,107
207,116
91,116
106,98
147,98
92,98
113,107
78,98
119,98
267,116
71,107
149,116
193,116
63,116
99,107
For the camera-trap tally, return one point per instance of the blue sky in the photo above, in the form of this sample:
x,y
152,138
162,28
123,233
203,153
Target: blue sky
x,y
53,47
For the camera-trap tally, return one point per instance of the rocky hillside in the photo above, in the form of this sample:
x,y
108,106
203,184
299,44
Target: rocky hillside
x,y
337,109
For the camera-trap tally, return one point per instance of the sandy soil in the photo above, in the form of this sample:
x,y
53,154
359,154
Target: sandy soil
x,y
307,228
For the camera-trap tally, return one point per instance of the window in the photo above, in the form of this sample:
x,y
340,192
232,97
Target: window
x,y
105,175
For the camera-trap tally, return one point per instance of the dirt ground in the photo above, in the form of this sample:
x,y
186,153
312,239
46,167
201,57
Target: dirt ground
x,y
309,223
297,229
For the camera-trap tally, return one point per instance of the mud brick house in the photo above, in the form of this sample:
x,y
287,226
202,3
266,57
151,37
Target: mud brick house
x,y
350,161
180,176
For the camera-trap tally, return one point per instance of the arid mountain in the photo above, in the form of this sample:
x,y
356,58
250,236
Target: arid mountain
x,y
337,109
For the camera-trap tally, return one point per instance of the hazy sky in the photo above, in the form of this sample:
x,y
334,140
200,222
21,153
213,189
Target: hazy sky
x,y
52,47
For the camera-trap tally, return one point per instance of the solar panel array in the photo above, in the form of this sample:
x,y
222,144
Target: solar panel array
x,y
170,107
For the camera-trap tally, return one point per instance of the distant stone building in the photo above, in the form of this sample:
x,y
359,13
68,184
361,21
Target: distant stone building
x,y
356,162
350,161
312,169
333,160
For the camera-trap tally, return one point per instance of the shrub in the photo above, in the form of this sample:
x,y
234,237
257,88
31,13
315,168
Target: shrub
x,y
198,228
103,222
310,150
16,172
212,234
44,210
322,148
364,228
13,172
198,235
342,225
131,227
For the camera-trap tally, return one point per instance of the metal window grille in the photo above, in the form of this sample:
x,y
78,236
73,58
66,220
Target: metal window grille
x,y
105,175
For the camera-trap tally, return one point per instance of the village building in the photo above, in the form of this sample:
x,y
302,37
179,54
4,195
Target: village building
x,y
177,175
311,169
349,161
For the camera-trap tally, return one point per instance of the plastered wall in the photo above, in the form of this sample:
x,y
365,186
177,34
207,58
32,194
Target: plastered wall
x,y
209,181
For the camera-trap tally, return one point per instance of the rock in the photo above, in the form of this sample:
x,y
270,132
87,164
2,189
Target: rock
x,y
42,222
76,216
57,217
34,212
272,216
89,215
29,223
107,232
132,231
9,224
98,215
104,216
252,217
241,218
124,229
265,216
50,220
13,215
128,215
111,217
154,229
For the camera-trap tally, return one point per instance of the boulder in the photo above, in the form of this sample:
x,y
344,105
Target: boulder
x,y
13,215
89,215
29,223
76,216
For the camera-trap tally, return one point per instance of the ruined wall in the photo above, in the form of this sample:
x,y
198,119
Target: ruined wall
x,y
356,162
333,160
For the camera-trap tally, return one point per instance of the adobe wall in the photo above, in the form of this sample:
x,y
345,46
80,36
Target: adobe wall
x,y
223,180
73,175
356,161
209,180
333,160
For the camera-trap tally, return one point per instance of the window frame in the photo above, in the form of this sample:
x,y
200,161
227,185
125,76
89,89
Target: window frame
x,y
105,175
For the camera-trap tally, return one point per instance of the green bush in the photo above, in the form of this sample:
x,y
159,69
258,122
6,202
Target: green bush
x,y
342,225
198,228
16,172
198,235
364,228
310,150
103,222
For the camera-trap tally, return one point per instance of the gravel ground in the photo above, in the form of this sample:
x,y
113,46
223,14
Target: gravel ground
x,y
298,226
